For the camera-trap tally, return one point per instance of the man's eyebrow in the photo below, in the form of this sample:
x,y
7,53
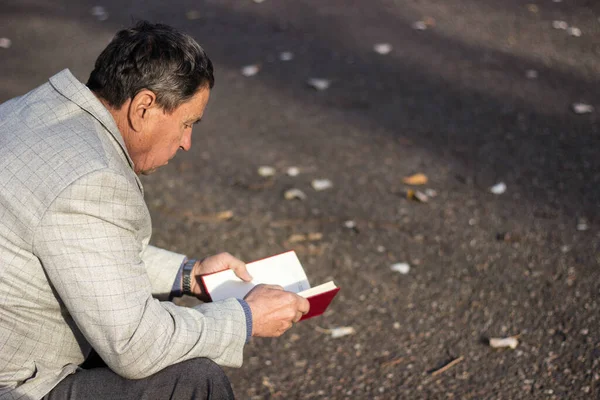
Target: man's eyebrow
x,y
193,120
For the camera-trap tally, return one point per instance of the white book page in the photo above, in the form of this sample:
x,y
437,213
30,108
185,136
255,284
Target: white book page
x,y
325,287
283,269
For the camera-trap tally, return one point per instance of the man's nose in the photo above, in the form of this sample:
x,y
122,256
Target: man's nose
x,y
186,142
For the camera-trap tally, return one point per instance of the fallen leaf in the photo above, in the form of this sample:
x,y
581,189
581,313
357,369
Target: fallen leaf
x,y
220,216
291,194
299,237
310,249
533,8
265,380
416,179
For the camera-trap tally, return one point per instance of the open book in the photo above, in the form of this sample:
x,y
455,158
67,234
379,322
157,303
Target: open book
x,y
284,270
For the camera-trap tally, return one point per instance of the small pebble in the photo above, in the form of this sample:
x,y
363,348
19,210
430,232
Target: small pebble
x,y
531,74
319,83
419,25
350,224
100,13
321,184
5,43
573,31
286,56
498,188
402,268
293,171
504,342
265,171
380,249
582,225
382,48
396,325
430,193
560,25
342,331
582,108
250,70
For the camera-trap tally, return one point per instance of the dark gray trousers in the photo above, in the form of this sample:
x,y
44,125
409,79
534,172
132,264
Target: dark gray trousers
x,y
199,378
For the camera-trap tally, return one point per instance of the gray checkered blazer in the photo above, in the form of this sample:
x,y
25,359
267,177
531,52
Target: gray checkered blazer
x,y
76,270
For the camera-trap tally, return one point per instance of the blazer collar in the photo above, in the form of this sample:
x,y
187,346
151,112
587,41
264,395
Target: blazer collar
x,y
67,85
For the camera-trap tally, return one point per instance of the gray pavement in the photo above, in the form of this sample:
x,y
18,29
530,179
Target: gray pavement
x,y
452,101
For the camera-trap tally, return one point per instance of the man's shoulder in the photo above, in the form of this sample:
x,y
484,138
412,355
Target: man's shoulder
x,y
47,142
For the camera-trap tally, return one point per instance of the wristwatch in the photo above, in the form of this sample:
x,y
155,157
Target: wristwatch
x,y
186,277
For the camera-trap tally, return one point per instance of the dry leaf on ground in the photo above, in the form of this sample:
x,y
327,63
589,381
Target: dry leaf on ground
x,y
416,179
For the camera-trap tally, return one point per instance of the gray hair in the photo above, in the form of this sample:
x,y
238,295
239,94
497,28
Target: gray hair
x,y
155,57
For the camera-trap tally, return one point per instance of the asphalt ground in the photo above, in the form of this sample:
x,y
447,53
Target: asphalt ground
x,y
453,102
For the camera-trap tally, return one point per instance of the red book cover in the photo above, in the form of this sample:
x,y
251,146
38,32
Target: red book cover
x,y
319,303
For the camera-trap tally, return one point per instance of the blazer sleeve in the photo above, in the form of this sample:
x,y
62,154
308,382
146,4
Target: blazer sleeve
x,y
89,244
162,266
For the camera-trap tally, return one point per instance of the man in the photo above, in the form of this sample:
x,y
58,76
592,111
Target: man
x,y
76,272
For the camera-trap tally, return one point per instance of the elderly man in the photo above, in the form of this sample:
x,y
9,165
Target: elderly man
x,y
77,275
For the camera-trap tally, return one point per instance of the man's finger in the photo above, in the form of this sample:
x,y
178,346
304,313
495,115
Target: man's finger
x,y
238,267
241,272
298,317
304,305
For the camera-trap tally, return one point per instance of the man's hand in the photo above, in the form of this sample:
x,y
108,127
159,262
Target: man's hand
x,y
274,310
216,263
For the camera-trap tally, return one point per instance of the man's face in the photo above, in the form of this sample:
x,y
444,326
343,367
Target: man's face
x,y
164,133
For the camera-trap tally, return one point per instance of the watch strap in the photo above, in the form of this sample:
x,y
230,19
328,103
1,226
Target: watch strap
x,y
186,277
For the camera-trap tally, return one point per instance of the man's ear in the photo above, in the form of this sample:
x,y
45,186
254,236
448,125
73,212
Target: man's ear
x,y
140,109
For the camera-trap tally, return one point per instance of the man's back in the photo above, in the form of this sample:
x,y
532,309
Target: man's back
x,y
46,142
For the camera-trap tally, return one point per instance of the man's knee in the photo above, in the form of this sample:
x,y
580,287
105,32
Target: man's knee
x,y
206,378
